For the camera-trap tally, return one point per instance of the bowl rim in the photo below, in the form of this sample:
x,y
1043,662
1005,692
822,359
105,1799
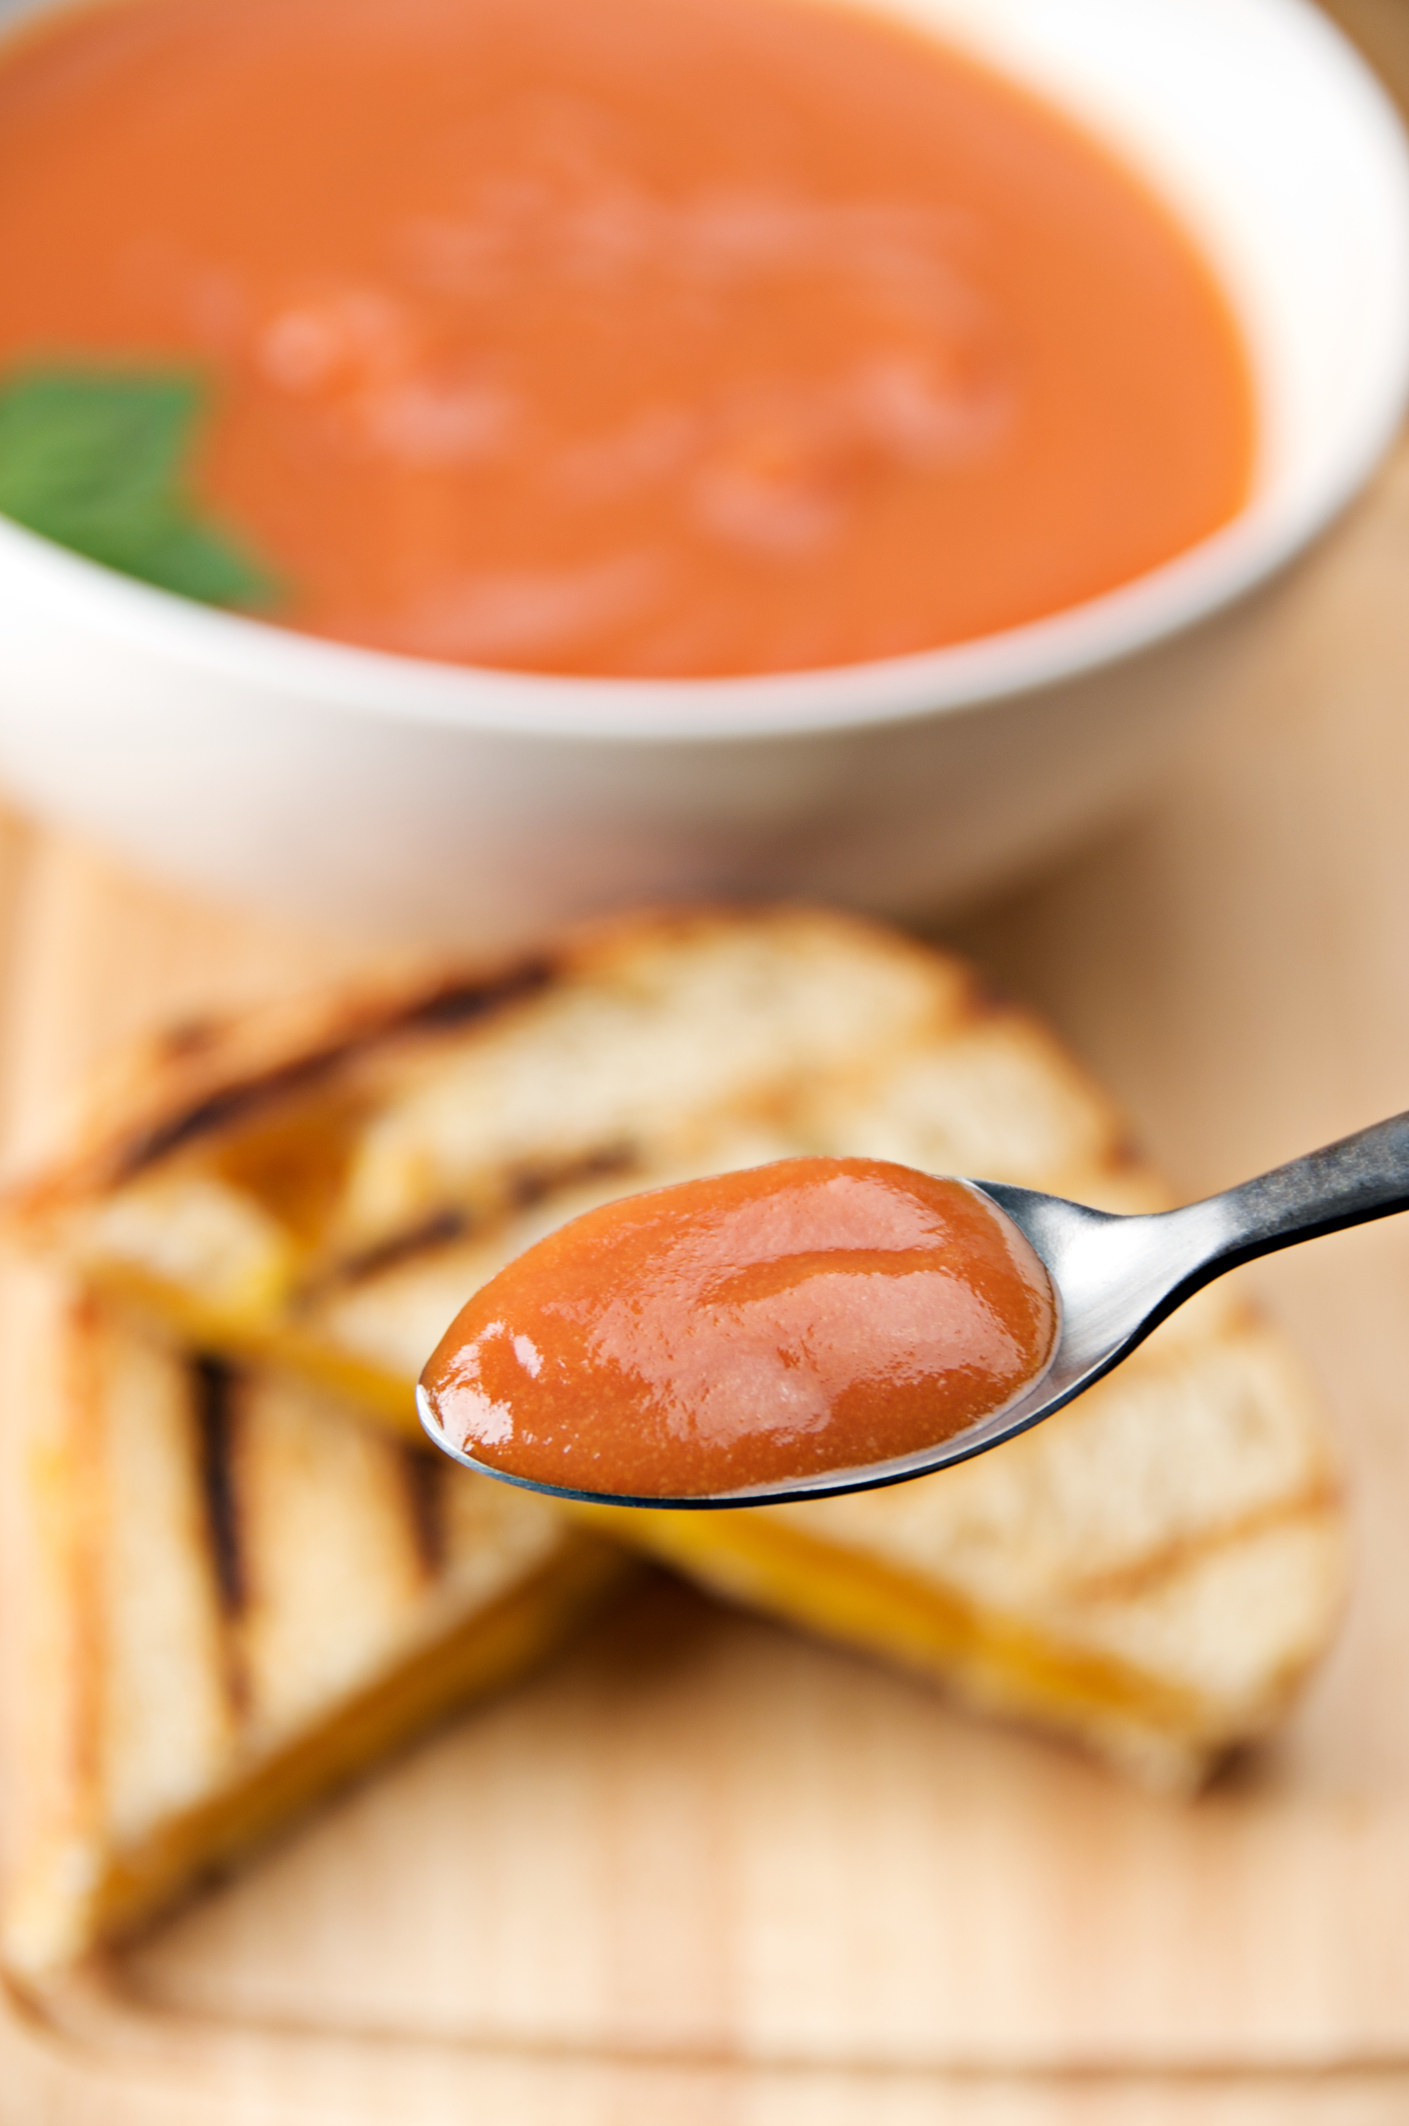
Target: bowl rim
x,y
1194,586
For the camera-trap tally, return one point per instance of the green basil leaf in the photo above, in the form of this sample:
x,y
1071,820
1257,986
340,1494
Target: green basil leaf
x,y
95,460
72,439
176,553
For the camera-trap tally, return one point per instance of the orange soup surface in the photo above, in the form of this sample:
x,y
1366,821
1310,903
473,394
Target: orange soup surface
x,y
638,337
752,1328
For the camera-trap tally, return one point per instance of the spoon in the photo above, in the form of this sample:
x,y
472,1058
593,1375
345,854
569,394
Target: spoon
x,y
1116,1278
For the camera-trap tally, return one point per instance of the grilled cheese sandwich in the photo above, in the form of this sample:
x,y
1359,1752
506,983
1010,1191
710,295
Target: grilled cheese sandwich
x,y
1153,1570
244,1597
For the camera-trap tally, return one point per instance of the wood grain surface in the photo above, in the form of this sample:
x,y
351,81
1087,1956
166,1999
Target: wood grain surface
x,y
706,1872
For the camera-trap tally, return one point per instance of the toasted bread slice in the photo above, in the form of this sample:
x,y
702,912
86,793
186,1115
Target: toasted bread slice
x,y
1153,1570
275,1187
244,1598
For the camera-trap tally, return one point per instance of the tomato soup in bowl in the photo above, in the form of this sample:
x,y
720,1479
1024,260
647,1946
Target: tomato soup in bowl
x,y
664,446
663,338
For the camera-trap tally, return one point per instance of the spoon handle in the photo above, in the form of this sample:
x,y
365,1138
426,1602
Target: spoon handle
x,y
1360,1177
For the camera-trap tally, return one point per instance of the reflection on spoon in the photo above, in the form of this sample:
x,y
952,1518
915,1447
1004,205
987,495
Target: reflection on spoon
x,y
829,1325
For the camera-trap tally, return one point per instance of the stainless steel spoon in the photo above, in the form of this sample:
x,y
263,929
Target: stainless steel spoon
x,y
1116,1278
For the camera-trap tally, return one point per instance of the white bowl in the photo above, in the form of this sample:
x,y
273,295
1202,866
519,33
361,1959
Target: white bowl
x,y
429,799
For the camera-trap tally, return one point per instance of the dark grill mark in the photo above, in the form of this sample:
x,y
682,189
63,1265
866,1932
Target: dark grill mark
x,y
460,1002
219,1109
455,1004
216,1422
530,1184
423,1473
433,1232
522,1188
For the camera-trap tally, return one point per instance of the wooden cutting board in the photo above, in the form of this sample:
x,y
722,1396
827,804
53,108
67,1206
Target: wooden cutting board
x,y
704,1871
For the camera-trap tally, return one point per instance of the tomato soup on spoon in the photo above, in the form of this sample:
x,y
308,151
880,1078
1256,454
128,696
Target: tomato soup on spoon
x,y
641,338
750,1328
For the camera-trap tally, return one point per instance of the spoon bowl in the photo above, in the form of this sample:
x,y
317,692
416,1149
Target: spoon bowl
x,y
1115,1277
